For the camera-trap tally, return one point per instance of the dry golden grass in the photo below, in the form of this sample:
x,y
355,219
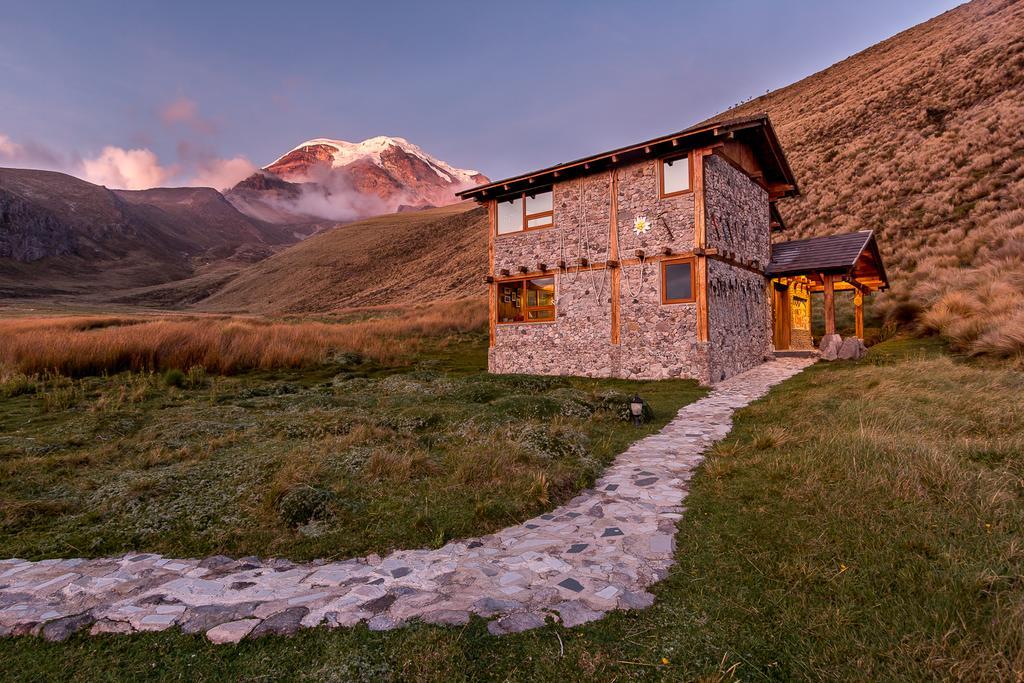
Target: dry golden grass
x,y
918,138
87,345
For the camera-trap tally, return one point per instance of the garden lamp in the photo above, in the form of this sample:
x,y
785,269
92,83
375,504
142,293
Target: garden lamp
x,y
636,409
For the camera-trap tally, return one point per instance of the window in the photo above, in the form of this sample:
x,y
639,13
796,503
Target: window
x,y
675,176
677,281
530,301
526,212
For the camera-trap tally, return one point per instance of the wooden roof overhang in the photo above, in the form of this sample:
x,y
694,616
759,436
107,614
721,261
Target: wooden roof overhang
x,y
854,257
756,131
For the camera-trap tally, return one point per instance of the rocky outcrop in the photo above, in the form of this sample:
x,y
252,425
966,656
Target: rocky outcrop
x,y
28,234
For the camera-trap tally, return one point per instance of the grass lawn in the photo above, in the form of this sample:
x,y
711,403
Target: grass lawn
x,y
860,523
343,459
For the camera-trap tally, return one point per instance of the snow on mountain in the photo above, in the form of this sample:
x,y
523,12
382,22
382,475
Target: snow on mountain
x,y
345,153
337,180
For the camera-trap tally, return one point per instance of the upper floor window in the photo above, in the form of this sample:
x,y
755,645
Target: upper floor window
x,y
675,176
528,211
678,284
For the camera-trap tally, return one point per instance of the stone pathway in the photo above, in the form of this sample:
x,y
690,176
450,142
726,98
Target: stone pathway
x,y
598,552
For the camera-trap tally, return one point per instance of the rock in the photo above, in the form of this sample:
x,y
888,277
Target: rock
x,y
829,346
447,617
515,623
205,617
488,607
231,632
574,613
852,349
383,622
283,623
636,600
62,629
215,561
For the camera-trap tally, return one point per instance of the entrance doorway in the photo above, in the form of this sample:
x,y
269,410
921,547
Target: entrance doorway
x,y
783,317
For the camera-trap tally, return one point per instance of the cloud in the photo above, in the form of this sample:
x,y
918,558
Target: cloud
x,y
126,169
221,174
185,111
28,154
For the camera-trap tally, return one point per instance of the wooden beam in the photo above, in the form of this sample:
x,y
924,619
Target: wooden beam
x,y
858,314
492,289
613,248
700,242
830,304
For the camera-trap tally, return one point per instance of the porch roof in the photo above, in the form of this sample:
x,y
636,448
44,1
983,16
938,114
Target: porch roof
x,y
854,256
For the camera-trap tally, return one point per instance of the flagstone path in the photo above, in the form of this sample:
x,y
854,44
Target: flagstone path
x,y
598,552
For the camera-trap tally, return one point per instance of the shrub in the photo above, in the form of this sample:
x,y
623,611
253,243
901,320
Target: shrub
x,y
526,406
175,378
303,504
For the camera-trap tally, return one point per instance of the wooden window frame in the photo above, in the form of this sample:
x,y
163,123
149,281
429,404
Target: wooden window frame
x,y
527,217
526,309
693,280
661,175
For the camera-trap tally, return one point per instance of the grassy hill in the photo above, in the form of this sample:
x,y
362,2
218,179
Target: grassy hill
x,y
408,257
918,138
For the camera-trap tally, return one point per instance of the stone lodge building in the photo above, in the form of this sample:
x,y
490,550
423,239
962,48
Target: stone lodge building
x,y
656,260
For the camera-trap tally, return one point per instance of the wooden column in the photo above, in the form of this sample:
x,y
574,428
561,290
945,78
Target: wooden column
x,y
830,304
492,287
858,314
613,250
700,241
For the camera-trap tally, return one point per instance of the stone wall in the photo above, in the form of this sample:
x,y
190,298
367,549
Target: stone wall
x,y
671,218
737,211
575,233
579,343
658,341
739,320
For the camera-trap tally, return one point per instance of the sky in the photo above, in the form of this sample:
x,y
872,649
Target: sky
x,y
140,94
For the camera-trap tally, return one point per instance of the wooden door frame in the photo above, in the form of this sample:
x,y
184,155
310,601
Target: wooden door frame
x,y
782,328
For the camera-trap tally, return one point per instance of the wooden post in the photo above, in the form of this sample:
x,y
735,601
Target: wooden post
x,y
858,314
700,242
613,249
830,304
492,287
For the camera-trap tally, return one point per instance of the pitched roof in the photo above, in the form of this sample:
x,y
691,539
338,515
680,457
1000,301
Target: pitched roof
x,y
854,253
756,130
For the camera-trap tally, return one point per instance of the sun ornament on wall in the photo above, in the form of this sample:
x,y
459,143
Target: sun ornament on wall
x,y
641,225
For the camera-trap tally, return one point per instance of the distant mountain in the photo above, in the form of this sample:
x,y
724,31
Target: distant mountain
x,y
324,179
61,235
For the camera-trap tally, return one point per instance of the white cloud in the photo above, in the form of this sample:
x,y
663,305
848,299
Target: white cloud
x,y
29,154
126,169
221,174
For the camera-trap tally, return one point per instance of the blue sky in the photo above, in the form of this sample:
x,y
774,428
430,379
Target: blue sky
x,y
500,87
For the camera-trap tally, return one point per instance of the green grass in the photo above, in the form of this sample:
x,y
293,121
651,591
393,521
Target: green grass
x,y
334,461
862,522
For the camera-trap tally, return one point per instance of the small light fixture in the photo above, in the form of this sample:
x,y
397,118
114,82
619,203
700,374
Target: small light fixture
x,y
636,409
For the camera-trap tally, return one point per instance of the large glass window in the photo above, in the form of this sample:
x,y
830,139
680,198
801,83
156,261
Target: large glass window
x,y
526,212
675,176
677,281
531,300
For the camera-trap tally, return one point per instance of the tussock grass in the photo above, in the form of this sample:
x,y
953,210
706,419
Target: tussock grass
x,y
345,458
862,522
88,345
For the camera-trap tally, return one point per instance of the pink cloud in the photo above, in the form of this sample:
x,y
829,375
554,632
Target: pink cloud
x,y
126,169
28,154
185,111
221,174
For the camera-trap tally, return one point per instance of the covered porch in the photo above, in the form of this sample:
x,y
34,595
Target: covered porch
x,y
849,262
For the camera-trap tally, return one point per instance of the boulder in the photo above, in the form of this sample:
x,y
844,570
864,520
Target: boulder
x,y
829,346
852,349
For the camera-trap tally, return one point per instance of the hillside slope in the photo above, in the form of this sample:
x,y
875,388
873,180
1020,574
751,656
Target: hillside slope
x,y
408,257
918,138
63,236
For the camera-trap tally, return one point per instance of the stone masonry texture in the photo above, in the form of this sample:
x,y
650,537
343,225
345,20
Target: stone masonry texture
x,y
657,341
599,552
